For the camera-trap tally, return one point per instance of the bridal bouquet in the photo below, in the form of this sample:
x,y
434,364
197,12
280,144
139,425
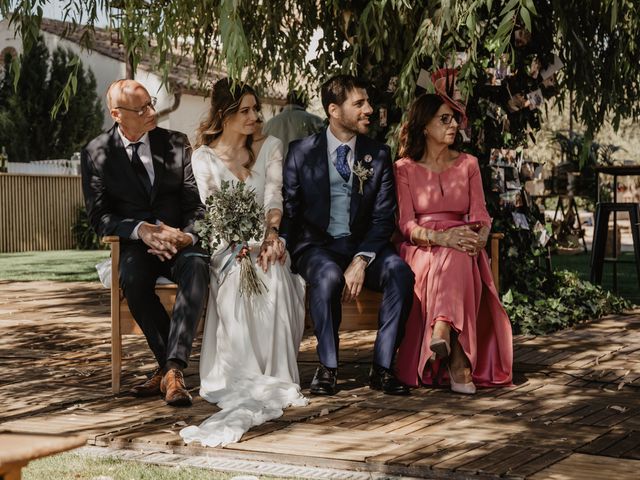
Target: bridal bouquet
x,y
233,215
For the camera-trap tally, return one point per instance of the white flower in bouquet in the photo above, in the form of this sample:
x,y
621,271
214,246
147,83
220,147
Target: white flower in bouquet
x,y
233,215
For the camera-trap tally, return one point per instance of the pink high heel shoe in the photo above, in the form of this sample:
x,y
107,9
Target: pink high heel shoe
x,y
464,388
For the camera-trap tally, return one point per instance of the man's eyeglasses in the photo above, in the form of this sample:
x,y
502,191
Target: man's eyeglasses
x,y
150,104
446,118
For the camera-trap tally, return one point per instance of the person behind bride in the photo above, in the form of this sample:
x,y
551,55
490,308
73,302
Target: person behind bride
x,y
456,315
249,349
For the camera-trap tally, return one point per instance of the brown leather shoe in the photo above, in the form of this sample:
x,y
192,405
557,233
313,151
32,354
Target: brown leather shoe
x,y
175,392
151,387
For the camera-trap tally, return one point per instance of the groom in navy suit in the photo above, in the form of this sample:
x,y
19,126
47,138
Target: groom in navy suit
x,y
339,214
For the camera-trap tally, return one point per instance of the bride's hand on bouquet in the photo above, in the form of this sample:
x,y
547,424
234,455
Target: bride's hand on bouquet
x,y
272,249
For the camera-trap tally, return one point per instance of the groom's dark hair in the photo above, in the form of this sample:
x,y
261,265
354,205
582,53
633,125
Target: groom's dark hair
x,y
336,89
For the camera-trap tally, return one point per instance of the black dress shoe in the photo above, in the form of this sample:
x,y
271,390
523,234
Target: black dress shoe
x,y
324,381
381,378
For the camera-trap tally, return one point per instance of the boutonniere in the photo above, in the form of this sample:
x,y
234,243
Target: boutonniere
x,y
363,173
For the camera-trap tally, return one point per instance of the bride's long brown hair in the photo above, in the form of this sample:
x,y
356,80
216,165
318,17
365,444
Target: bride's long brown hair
x,y
225,101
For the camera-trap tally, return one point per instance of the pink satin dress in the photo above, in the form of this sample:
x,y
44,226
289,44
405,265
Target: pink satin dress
x,y
450,285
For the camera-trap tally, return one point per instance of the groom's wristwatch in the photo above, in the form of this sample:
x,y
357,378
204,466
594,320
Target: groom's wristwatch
x,y
364,258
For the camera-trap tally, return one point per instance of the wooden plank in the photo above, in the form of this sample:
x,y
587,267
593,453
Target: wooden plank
x,y
579,465
485,462
387,422
540,463
421,423
323,442
417,455
510,464
620,449
451,451
390,456
471,455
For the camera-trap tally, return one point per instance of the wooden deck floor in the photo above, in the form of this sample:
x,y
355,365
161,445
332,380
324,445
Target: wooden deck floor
x,y
574,412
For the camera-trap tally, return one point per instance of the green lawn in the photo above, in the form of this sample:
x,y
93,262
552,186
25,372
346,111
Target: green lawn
x,y
72,466
62,265
627,278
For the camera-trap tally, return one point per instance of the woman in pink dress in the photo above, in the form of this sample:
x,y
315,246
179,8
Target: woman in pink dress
x,y
456,315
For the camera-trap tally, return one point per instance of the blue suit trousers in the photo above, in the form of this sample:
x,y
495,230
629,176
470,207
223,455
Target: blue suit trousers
x,y
323,268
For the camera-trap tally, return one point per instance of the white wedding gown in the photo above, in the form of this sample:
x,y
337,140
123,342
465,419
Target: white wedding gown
x,y
248,362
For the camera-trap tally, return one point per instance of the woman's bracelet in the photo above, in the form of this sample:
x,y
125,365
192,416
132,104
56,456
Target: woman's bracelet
x,y
272,230
423,240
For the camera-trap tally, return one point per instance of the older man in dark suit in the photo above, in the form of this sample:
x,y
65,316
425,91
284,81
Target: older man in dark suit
x,y
339,214
138,185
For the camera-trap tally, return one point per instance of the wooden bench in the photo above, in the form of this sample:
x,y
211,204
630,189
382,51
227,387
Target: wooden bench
x,y
361,314
18,449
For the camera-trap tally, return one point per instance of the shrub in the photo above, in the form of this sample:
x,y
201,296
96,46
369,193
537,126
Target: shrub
x,y
85,238
571,301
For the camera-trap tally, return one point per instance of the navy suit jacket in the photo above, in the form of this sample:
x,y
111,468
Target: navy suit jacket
x,y
307,201
116,199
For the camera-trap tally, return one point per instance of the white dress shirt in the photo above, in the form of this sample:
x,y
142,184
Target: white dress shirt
x,y
144,152
332,148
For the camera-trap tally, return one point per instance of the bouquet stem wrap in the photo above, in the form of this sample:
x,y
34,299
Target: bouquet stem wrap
x,y
250,284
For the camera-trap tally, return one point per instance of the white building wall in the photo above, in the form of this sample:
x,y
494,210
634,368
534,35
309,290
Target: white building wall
x,y
192,110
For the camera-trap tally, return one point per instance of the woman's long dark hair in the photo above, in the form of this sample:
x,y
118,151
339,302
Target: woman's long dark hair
x,y
225,101
413,142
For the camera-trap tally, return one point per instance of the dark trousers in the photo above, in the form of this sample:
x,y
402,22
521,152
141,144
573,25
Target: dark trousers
x,y
168,338
323,268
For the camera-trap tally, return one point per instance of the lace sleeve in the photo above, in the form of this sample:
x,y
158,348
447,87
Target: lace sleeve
x,y
207,177
273,180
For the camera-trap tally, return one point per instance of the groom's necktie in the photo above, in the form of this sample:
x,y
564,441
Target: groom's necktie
x,y
138,167
341,162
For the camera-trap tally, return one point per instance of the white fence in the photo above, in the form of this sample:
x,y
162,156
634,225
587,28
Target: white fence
x,y
45,167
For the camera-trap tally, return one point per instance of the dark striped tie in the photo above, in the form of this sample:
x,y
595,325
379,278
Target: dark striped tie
x,y
138,167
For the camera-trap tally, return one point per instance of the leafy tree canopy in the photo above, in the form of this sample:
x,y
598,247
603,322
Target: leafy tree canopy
x,y
266,41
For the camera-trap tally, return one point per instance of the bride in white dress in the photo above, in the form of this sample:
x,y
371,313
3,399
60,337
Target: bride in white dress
x,y
248,362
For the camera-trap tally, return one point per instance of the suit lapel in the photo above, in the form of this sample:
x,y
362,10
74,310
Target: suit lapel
x,y
156,143
356,197
319,171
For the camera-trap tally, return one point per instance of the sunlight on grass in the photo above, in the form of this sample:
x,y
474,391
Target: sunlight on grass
x,y
73,466
627,276
61,265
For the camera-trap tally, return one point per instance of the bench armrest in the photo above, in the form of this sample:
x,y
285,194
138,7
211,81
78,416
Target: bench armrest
x,y
495,258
